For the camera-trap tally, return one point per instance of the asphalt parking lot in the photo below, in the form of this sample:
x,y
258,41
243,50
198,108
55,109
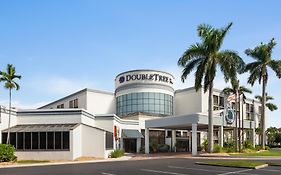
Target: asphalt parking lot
x,y
172,166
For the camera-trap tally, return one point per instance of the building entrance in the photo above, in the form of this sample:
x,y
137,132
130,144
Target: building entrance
x,y
130,145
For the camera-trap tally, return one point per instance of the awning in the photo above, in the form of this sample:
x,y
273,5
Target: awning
x,y
42,128
131,134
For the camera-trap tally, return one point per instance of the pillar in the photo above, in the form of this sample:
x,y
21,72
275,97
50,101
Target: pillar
x,y
174,140
138,145
194,139
189,141
254,137
221,136
146,141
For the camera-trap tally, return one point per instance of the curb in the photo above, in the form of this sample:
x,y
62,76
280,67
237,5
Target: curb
x,y
256,167
125,158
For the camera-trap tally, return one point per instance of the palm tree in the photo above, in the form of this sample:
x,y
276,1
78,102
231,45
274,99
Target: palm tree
x,y
270,106
206,57
238,91
259,71
9,79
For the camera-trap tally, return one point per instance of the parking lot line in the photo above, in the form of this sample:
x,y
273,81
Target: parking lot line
x,y
269,170
197,169
107,173
236,172
162,172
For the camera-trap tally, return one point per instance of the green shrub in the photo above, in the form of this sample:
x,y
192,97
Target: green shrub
x,y
218,148
258,147
248,144
7,153
267,148
247,150
205,145
153,146
142,149
163,148
117,153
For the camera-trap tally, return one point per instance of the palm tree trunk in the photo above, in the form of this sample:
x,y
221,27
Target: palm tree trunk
x,y
263,113
9,122
210,119
236,121
242,113
239,126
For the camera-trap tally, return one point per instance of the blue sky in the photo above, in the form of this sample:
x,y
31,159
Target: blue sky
x,y
61,46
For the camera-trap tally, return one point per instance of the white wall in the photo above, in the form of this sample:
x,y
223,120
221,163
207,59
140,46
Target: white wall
x,y
4,120
81,96
48,119
188,102
100,103
77,142
93,142
44,155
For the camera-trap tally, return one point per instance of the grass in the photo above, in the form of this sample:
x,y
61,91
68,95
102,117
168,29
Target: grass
x,y
32,161
236,163
262,153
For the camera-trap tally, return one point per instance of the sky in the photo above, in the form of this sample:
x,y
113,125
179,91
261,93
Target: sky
x,y
62,46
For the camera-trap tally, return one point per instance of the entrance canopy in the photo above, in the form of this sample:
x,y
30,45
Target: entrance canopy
x,y
184,122
131,134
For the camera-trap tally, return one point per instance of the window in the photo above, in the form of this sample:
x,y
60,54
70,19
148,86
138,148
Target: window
x,y
19,140
65,143
218,102
145,102
50,140
60,106
35,140
38,140
73,103
43,141
109,140
27,140
249,111
58,138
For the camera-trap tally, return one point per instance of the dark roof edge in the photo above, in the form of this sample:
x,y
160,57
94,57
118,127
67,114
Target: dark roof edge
x,y
76,93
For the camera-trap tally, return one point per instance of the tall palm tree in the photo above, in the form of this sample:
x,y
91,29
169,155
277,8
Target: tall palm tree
x,y
9,79
238,91
259,72
206,56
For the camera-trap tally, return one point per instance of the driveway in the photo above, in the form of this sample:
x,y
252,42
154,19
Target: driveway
x,y
172,166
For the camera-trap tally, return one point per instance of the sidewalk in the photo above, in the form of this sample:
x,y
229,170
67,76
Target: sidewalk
x,y
124,158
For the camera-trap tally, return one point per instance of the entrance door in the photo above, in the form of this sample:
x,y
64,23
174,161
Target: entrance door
x,y
130,145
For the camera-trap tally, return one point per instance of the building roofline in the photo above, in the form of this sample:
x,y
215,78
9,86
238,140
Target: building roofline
x,y
139,70
214,89
76,93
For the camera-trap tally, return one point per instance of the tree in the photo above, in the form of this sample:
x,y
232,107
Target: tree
x,y
238,91
9,79
270,106
259,72
272,134
205,57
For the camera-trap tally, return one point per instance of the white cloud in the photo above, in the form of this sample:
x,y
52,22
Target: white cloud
x,y
20,105
58,85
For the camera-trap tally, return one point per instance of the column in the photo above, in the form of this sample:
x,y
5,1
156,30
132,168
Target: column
x,y
221,136
138,145
146,141
189,141
254,137
194,139
174,140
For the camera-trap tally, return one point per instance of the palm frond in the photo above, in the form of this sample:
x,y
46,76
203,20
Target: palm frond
x,y
275,65
271,106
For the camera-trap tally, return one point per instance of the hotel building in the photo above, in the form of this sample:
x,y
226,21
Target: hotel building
x,y
144,108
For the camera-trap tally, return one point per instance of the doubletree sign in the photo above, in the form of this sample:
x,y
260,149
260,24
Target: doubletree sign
x,y
150,77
